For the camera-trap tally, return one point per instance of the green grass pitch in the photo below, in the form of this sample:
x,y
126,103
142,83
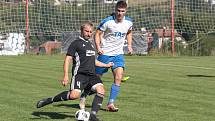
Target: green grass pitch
x,y
159,89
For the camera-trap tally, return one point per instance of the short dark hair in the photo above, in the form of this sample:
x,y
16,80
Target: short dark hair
x,y
87,23
121,4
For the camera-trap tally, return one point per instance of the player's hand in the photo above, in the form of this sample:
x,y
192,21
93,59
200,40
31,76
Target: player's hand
x,y
100,51
110,64
65,81
130,50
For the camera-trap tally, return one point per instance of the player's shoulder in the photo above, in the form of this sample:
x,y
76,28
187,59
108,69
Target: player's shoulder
x,y
128,19
107,19
76,42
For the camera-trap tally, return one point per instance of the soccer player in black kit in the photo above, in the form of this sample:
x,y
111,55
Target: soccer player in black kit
x,y
82,53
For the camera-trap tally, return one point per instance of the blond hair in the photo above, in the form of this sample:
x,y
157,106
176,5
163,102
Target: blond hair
x,y
87,23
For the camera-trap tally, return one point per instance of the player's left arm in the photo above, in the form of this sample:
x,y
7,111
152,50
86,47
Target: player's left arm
x,y
129,40
100,64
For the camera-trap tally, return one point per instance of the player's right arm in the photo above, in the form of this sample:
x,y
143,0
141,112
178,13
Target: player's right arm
x,y
100,64
66,66
98,38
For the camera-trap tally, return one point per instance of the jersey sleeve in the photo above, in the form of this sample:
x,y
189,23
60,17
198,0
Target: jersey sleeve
x,y
72,49
130,23
131,27
103,25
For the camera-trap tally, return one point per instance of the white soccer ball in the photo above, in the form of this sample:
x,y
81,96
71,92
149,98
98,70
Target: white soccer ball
x,y
82,115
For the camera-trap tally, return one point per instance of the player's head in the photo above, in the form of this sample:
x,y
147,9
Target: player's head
x,y
120,10
87,30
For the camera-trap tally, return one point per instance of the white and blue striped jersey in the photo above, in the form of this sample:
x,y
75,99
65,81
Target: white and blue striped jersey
x,y
114,34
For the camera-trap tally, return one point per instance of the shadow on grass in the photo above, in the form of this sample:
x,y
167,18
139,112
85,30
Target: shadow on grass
x,y
71,105
58,115
87,106
67,105
51,115
200,76
103,109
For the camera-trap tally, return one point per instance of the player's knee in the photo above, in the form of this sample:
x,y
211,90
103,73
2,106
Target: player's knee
x,y
118,78
74,94
100,95
100,89
117,81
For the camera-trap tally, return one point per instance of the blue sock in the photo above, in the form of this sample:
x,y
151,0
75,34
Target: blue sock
x,y
113,93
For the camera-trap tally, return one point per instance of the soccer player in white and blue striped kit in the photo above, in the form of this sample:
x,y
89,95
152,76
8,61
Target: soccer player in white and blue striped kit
x,y
110,38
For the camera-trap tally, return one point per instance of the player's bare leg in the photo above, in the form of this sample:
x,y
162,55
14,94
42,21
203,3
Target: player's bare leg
x,y
118,72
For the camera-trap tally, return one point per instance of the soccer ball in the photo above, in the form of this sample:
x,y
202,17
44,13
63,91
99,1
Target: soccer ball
x,y
82,115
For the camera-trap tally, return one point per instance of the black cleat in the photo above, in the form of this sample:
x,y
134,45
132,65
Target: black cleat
x,y
93,117
44,102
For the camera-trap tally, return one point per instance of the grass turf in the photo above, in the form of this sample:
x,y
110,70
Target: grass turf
x,y
159,89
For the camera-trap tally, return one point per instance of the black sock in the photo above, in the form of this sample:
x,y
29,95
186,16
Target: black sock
x,y
84,94
91,92
97,103
63,96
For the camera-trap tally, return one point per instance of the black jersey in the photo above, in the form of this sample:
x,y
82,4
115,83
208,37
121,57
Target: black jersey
x,y
83,53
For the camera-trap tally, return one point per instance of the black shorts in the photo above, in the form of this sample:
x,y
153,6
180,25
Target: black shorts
x,y
82,81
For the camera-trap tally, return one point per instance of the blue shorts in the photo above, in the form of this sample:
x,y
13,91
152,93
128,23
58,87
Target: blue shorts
x,y
117,60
